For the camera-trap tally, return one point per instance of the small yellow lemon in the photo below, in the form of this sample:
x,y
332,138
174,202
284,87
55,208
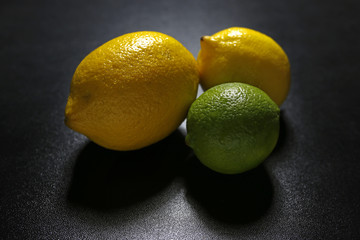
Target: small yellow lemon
x,y
244,55
132,91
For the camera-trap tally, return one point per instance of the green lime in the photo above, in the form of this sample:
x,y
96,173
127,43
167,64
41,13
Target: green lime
x,y
233,127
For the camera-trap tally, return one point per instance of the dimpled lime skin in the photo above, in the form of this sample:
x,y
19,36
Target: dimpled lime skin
x,y
233,127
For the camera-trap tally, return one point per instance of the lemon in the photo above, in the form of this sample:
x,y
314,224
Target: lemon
x,y
244,55
132,91
233,127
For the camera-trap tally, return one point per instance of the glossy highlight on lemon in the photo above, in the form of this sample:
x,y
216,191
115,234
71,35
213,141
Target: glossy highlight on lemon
x,y
233,127
132,91
244,55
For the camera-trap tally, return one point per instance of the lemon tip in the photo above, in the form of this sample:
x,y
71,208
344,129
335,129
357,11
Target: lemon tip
x,y
205,38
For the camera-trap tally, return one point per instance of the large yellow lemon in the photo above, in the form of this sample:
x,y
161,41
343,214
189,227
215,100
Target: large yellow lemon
x,y
132,91
244,55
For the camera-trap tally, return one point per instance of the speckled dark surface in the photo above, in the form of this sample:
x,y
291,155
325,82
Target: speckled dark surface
x,y
55,184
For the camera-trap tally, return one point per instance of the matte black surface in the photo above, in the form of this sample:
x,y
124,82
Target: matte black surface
x,y
55,184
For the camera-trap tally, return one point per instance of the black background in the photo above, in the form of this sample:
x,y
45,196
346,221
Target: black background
x,y
55,184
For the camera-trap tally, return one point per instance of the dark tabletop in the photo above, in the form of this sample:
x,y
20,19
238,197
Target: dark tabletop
x,y
56,184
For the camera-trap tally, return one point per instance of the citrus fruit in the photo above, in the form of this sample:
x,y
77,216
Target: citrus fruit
x,y
132,91
233,127
244,55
